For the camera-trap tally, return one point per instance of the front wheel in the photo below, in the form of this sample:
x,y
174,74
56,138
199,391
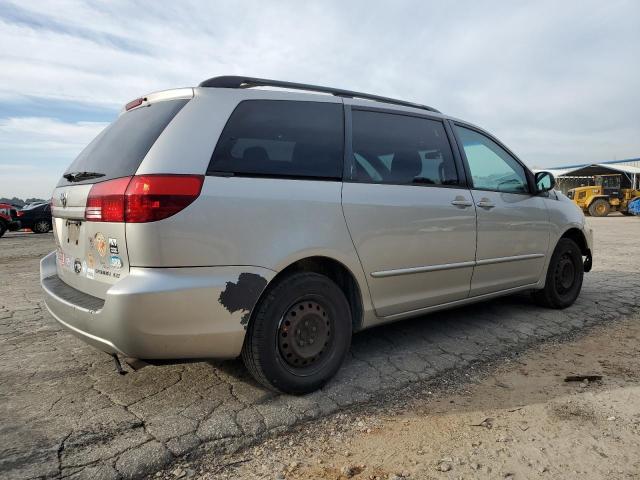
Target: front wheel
x,y
599,208
564,276
299,335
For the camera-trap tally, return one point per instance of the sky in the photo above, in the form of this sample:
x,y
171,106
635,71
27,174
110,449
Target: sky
x,y
558,82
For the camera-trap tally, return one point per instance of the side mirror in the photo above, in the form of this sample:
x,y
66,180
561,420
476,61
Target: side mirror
x,y
545,181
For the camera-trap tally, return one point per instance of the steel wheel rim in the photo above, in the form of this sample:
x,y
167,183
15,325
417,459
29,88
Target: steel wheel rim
x,y
304,335
42,226
565,274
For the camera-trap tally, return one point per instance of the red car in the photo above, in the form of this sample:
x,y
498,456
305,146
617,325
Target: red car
x,y
8,218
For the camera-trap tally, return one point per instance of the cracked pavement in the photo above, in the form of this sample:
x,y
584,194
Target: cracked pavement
x,y
65,412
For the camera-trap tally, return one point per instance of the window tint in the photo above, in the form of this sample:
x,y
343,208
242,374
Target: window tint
x,y
282,138
120,148
399,149
492,168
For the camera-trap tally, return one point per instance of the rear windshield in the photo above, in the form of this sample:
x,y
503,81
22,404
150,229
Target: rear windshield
x,y
119,149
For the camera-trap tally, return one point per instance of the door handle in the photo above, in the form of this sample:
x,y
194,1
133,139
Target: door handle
x,y
461,202
486,203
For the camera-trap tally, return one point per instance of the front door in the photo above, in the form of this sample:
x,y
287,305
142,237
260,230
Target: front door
x,y
513,223
411,218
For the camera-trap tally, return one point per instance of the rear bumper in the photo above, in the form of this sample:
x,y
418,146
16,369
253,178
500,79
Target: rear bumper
x,y
161,313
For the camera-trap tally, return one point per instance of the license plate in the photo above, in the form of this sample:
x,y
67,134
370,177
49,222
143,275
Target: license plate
x,y
73,231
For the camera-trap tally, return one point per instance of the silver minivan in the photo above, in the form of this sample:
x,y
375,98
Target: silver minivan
x,y
271,220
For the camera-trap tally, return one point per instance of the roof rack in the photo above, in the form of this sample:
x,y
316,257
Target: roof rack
x,y
232,81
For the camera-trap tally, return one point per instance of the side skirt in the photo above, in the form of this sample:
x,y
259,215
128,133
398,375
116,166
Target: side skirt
x,y
445,306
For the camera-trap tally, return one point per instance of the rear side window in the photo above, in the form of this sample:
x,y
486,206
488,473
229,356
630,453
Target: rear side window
x,y
281,138
400,149
120,148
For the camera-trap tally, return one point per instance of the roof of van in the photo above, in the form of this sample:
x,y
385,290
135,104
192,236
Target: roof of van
x,y
231,81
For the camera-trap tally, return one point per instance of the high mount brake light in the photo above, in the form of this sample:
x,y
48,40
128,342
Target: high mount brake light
x,y
141,198
133,104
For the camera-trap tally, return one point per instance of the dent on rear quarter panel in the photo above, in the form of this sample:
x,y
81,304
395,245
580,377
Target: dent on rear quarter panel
x,y
243,295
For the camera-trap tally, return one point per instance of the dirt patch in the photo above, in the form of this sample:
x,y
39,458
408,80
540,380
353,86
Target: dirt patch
x,y
517,420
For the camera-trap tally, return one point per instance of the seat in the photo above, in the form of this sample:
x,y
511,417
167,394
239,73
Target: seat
x,y
406,166
314,159
448,173
255,155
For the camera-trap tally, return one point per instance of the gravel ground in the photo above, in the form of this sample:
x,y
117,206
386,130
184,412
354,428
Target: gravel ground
x,y
65,413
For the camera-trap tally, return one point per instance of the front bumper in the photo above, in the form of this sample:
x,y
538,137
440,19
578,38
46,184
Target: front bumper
x,y
588,235
14,225
161,313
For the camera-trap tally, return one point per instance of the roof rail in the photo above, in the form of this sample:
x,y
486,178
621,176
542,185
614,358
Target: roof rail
x,y
231,81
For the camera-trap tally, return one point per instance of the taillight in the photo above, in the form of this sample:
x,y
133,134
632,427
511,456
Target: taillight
x,y
142,198
154,197
19,213
106,201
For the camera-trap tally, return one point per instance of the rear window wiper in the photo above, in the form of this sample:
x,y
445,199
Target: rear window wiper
x,y
79,176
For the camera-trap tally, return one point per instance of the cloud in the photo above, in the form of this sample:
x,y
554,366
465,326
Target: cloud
x,y
34,151
556,81
36,134
27,184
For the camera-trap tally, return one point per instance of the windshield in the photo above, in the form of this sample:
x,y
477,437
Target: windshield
x,y
119,149
608,181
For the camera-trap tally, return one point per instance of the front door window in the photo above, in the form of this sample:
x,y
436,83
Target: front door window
x,y
492,168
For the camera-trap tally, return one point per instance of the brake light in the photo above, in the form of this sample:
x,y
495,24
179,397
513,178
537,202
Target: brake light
x,y
154,197
133,104
19,213
142,198
106,201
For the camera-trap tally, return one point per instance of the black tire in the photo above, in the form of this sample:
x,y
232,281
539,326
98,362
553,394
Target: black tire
x,y
3,228
41,226
564,276
318,307
599,208
626,213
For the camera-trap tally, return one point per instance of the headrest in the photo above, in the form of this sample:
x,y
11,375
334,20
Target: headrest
x,y
406,166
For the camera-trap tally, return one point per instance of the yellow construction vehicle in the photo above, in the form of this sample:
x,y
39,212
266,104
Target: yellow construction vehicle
x,y
604,197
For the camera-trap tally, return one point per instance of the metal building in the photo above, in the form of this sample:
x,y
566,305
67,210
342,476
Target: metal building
x,y
572,176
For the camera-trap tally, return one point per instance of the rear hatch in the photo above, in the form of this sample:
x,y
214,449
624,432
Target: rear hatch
x,y
92,255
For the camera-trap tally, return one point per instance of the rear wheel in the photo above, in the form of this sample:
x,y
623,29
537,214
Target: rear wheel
x,y
41,226
299,334
599,208
564,276
3,228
